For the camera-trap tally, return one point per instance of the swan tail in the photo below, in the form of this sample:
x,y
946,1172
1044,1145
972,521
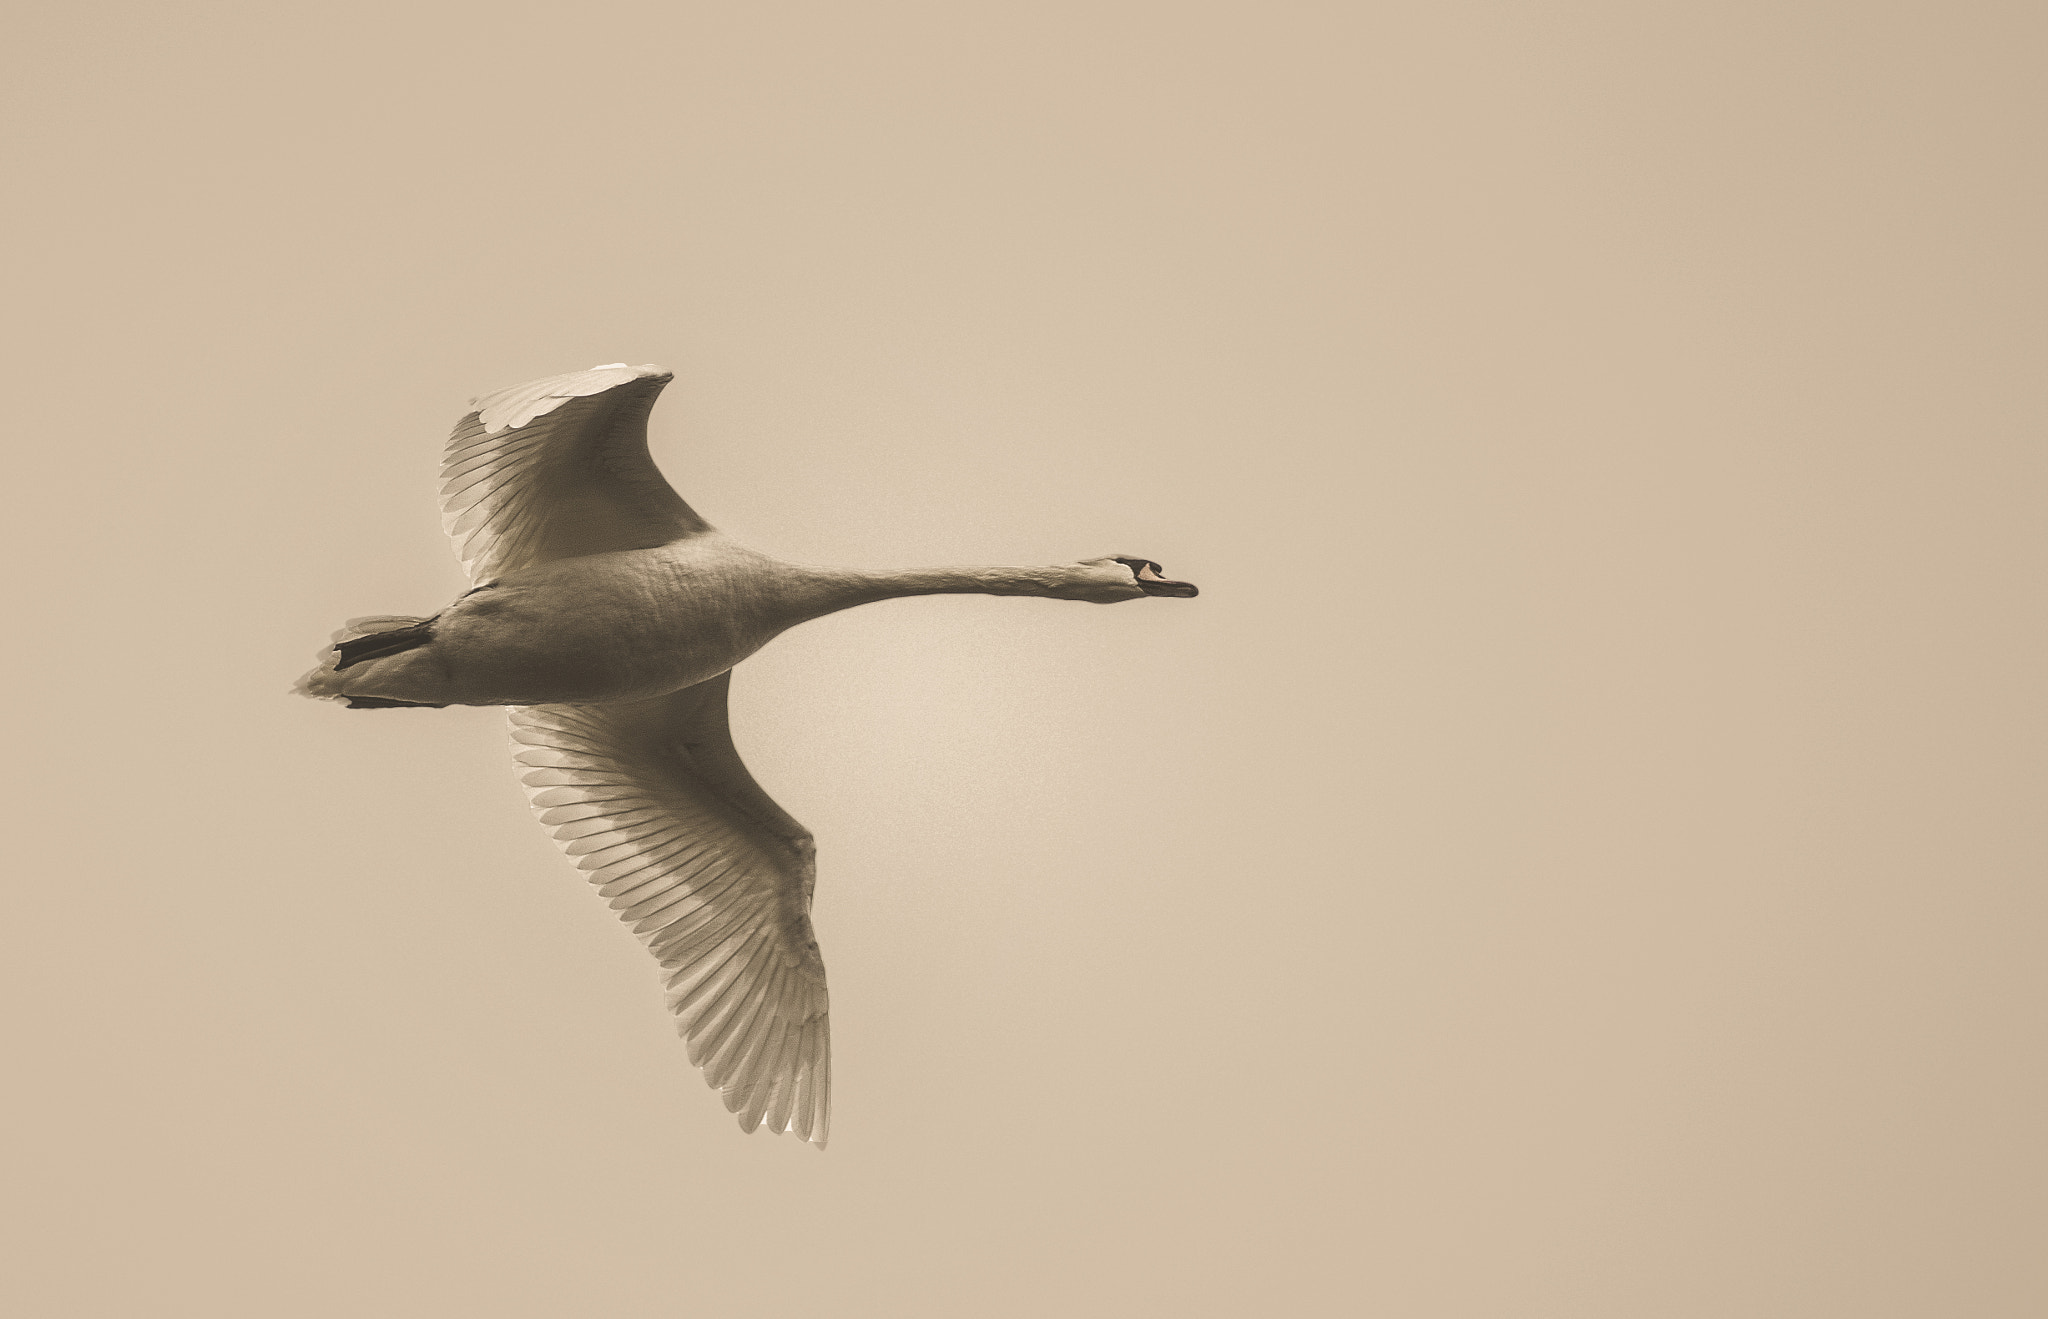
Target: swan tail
x,y
360,639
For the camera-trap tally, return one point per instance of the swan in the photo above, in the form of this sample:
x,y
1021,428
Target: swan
x,y
608,616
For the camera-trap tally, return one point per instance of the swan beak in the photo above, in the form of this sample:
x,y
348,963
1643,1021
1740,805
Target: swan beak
x,y
1151,582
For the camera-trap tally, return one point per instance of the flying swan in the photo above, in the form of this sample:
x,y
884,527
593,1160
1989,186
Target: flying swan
x,y
608,616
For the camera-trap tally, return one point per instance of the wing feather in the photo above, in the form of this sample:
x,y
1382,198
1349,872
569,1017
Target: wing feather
x,y
782,1102
556,468
655,808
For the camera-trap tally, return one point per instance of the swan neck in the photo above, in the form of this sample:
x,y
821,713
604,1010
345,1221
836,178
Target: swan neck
x,y
857,586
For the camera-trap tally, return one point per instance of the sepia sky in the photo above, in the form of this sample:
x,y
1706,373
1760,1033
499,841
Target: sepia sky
x,y
1581,856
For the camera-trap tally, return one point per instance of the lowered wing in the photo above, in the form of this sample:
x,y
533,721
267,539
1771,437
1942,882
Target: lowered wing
x,y
651,802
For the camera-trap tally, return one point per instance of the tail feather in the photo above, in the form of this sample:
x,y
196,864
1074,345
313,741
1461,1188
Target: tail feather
x,y
370,637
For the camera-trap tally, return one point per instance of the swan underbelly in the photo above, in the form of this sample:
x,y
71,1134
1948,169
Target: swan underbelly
x,y
610,627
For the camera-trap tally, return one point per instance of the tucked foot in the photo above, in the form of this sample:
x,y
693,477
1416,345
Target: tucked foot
x,y
1152,581
377,645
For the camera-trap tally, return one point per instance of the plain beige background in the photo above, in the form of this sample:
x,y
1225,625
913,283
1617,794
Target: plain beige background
x,y
1580,858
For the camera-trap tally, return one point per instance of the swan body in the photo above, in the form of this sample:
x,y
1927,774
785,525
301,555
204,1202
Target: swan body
x,y
608,615
630,624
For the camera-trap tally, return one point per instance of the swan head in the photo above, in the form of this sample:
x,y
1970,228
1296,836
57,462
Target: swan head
x,y
1152,580
1112,578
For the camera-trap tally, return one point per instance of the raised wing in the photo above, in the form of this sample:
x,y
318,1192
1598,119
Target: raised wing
x,y
652,803
556,468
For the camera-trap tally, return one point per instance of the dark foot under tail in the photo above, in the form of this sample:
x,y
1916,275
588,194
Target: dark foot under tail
x,y
376,645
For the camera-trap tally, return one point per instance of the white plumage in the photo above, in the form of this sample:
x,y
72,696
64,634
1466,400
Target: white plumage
x,y
608,615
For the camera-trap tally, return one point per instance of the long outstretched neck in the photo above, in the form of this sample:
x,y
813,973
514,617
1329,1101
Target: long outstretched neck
x,y
843,588
1106,580
1041,581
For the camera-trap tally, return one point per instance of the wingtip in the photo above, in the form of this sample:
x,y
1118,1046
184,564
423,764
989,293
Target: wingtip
x,y
815,1140
644,371
516,405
